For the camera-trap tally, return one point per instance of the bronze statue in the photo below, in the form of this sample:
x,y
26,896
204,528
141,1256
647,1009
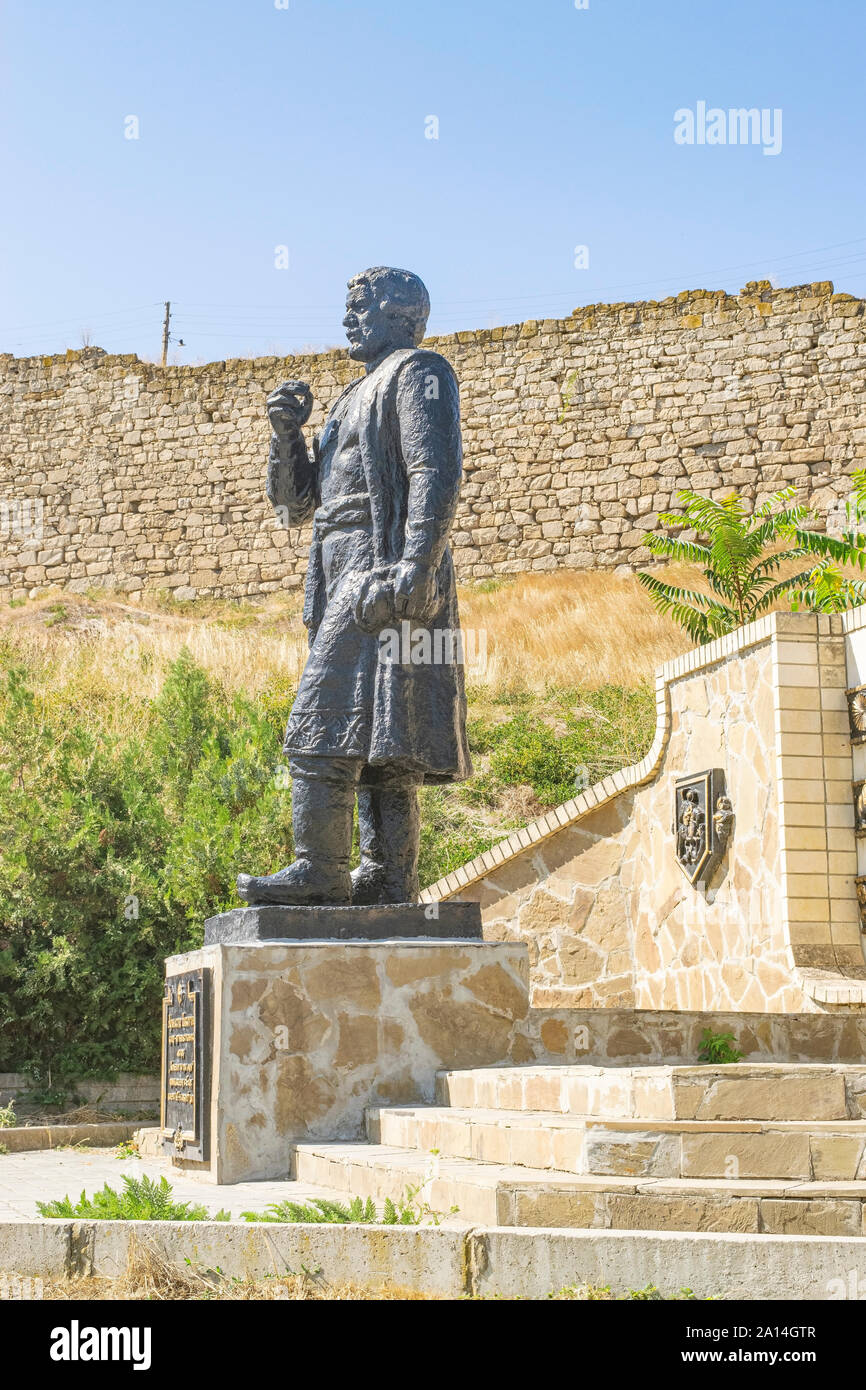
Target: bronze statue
x,y
373,718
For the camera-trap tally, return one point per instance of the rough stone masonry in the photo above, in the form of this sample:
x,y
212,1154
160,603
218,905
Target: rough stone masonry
x,y
577,434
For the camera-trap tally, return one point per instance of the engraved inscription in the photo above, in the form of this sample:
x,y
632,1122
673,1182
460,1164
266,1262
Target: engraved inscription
x,y
185,1054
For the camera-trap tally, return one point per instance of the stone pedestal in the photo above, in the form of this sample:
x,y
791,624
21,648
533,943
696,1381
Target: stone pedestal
x,y
298,1037
383,922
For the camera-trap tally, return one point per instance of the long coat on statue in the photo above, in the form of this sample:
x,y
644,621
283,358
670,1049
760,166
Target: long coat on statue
x,y
395,695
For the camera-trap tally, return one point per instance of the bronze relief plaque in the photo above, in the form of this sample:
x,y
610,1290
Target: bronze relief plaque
x,y
856,698
703,819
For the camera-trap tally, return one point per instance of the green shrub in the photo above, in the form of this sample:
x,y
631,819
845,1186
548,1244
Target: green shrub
x,y
318,1212
115,850
450,834
406,1211
566,741
718,1048
600,1293
740,553
142,1199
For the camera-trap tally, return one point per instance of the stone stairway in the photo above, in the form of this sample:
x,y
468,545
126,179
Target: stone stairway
x,y
758,1148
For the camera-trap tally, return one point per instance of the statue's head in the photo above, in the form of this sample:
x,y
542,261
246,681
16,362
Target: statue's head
x,y
385,309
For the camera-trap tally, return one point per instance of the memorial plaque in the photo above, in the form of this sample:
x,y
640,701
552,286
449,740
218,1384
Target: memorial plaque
x,y
185,1064
703,817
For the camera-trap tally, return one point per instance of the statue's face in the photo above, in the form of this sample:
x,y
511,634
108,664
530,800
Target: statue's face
x,y
368,328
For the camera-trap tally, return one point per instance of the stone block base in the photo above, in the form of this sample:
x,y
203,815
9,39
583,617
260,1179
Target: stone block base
x,y
382,922
305,1035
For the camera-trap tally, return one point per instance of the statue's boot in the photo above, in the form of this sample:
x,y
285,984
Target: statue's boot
x,y
322,827
389,821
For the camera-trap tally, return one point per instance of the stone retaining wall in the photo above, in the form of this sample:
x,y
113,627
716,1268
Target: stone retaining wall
x,y
449,1261
594,887
127,1092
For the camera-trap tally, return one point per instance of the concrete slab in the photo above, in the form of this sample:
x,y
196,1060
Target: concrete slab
x,y
42,1176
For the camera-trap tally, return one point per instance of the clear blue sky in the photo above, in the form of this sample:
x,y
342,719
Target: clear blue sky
x,y
305,127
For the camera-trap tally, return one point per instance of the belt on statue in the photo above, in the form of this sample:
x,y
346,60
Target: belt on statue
x,y
345,513
341,513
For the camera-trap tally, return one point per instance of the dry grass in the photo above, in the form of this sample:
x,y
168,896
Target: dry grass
x,y
582,629
103,644
150,1277
585,629
29,1115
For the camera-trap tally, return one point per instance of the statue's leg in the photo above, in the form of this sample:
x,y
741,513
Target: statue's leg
x,y
389,820
323,801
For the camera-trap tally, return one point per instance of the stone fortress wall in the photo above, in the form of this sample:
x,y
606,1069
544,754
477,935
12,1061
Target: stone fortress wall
x,y
577,432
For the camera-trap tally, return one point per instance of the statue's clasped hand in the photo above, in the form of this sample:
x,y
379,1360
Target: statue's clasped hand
x,y
289,406
416,590
409,590
374,606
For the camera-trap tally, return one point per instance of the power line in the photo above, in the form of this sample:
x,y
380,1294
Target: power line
x,y
215,324
775,261
75,323
234,319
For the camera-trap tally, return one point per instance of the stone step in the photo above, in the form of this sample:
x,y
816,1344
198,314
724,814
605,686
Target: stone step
x,y
505,1195
831,1151
741,1091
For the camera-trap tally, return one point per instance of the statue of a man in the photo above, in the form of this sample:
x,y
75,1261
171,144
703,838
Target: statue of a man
x,y
373,718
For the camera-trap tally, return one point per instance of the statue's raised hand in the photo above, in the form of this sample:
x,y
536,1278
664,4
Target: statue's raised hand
x,y
289,406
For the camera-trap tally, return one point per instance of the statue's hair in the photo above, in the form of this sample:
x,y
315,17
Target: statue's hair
x,y
403,296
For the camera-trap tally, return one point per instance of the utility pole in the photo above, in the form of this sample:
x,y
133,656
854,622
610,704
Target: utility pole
x,y
165,324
